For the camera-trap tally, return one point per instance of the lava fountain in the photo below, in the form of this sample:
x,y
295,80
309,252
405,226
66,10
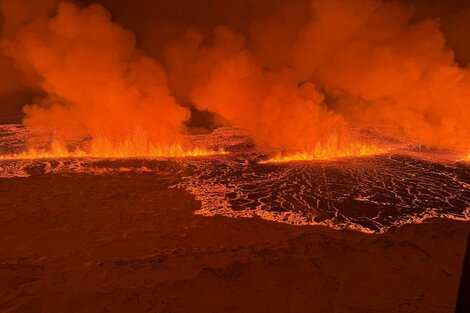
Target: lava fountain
x,y
103,149
329,151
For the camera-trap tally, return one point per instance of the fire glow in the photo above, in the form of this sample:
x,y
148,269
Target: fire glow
x,y
288,83
329,152
104,150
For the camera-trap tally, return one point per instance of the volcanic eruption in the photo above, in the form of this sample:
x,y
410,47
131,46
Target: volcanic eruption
x,y
351,79
348,114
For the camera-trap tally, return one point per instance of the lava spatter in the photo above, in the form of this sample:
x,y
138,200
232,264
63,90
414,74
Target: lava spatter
x,y
371,194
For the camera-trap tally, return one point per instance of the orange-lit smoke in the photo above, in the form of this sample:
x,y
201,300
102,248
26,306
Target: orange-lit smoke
x,y
96,82
301,73
272,106
358,62
383,69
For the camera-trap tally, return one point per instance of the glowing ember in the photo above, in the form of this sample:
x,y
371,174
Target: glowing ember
x,y
329,152
103,149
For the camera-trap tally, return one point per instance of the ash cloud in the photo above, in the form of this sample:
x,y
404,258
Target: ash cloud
x,y
95,79
383,69
292,73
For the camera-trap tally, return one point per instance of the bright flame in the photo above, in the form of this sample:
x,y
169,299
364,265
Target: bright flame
x,y
104,149
329,151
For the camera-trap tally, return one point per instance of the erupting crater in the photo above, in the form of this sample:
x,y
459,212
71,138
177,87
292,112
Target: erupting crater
x,y
103,149
370,188
58,151
329,152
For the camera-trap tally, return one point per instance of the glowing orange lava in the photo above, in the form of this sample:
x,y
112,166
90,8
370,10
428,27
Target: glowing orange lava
x,y
329,151
103,149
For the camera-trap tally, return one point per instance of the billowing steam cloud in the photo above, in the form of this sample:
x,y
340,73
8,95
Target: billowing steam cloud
x,y
271,105
383,69
365,55
96,81
301,72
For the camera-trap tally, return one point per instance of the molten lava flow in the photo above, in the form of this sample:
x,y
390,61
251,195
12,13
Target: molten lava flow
x,y
329,151
103,149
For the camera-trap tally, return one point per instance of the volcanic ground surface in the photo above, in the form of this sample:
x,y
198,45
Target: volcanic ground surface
x,y
370,194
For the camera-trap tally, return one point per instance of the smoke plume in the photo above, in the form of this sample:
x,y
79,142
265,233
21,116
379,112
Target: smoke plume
x,y
383,69
95,79
292,73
